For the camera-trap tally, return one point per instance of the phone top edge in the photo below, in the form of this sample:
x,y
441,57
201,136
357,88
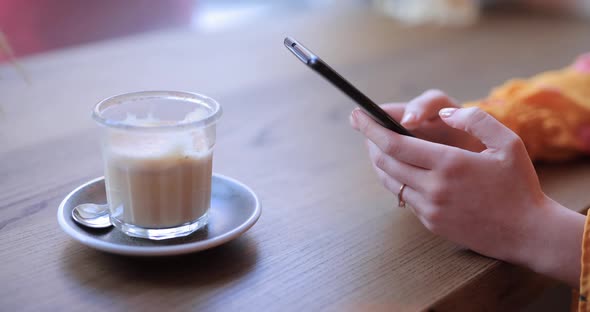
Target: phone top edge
x,y
372,109
302,53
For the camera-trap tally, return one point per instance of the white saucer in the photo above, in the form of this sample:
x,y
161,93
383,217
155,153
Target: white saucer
x,y
234,209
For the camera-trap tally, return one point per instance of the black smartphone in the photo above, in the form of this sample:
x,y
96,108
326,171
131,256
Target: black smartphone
x,y
366,104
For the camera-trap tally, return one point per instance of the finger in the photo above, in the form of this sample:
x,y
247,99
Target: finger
x,y
400,171
415,202
395,110
407,149
409,195
493,134
425,107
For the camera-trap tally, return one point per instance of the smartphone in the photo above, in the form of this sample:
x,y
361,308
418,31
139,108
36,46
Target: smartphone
x,y
366,104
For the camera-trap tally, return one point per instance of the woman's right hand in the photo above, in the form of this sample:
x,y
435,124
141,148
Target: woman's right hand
x,y
421,117
489,201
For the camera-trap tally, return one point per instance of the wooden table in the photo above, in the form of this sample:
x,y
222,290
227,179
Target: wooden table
x,y
330,237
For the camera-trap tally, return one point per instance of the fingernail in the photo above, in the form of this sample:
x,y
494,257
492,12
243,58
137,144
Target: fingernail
x,y
353,117
408,118
447,112
352,120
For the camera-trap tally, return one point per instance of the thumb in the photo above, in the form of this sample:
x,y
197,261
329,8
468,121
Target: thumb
x,y
481,125
425,108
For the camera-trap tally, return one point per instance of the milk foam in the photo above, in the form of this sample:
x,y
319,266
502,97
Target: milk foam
x,y
158,179
150,145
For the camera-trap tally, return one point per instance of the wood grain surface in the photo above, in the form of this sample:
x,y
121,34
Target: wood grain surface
x,y
330,237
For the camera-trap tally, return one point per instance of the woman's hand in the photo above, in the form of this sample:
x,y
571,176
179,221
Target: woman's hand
x,y
420,116
489,201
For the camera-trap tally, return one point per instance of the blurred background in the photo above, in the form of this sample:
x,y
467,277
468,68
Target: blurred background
x,y
227,49
34,26
380,63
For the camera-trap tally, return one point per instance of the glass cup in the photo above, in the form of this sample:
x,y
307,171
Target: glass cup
x,y
157,149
